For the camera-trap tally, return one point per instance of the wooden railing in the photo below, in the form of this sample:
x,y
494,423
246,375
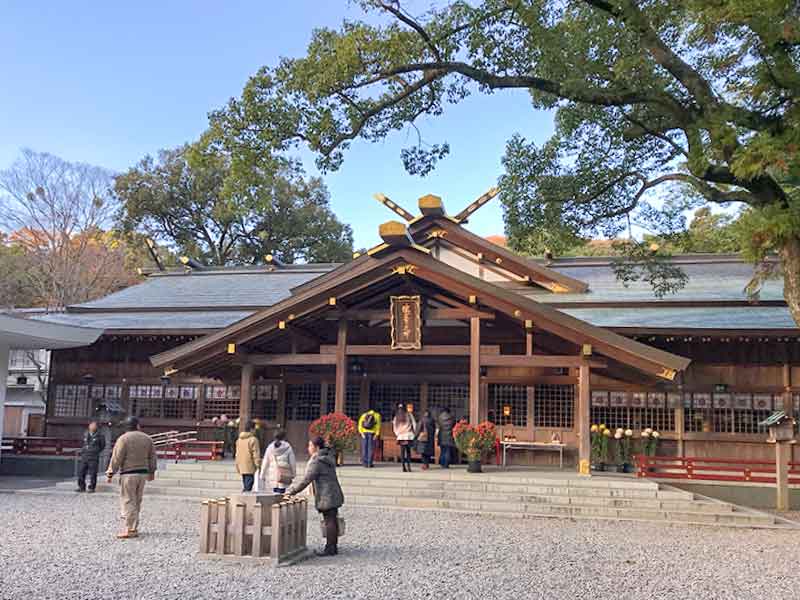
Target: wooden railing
x,y
192,449
168,438
43,445
712,469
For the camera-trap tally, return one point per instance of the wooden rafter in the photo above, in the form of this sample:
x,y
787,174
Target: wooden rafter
x,y
394,207
470,209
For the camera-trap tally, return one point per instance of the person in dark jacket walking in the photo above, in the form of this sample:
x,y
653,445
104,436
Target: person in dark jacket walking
x,y
328,496
426,434
446,423
93,444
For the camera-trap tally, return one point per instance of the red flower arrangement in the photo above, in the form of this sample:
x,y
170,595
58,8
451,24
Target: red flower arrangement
x,y
338,430
475,442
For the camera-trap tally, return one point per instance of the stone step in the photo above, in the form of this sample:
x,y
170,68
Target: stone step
x,y
701,512
409,484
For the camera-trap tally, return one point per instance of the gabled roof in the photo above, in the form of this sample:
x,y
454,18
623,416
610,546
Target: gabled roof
x,y
437,227
368,270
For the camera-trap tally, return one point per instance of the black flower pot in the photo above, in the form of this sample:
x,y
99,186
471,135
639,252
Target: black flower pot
x,y
474,466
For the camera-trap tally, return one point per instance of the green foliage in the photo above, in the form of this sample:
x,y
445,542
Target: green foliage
x,y
231,208
697,96
15,289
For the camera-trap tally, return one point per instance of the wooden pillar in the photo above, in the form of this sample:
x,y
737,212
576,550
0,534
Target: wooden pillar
x,y
529,390
423,399
783,452
474,370
245,396
341,367
679,429
583,425
788,400
323,398
280,415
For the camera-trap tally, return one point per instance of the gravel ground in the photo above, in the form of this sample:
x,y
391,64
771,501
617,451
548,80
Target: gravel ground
x,y
61,546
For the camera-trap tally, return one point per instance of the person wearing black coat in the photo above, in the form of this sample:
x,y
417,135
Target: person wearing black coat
x,y
93,444
426,436
328,495
446,422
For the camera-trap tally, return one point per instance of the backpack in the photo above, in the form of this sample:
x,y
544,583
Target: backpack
x,y
369,421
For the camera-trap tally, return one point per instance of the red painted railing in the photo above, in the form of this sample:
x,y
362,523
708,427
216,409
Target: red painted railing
x,y
43,445
194,450
711,469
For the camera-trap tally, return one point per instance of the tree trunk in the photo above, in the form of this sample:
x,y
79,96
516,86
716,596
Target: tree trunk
x,y
790,257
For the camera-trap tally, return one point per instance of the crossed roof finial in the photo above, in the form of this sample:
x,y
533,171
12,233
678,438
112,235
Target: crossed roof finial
x,y
430,205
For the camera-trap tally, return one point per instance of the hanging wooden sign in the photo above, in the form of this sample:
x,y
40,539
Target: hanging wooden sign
x,y
406,321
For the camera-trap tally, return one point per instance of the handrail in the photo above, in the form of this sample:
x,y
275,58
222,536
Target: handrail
x,y
712,469
175,436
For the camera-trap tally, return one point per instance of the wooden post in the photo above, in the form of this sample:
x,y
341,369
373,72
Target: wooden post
x,y
275,537
529,390
205,524
238,524
788,400
222,525
783,451
680,429
474,370
245,396
583,425
258,529
341,367
323,398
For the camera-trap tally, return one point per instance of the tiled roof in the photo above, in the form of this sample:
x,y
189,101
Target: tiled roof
x,y
678,318
173,320
213,289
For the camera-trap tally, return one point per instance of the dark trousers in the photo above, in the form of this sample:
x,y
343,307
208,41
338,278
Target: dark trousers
x,y
331,529
405,453
87,467
247,482
426,459
445,456
367,448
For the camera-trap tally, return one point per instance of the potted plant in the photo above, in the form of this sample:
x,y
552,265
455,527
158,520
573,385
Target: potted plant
x,y
339,432
626,451
650,444
474,442
616,451
600,436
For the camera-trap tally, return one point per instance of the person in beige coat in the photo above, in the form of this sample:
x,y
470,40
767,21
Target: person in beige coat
x,y
134,458
248,457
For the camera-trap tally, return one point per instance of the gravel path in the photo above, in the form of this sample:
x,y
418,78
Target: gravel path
x,y
59,546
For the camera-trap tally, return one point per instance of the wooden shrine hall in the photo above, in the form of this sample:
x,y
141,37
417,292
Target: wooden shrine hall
x,y
436,316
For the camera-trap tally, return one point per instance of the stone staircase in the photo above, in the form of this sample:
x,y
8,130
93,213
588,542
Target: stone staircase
x,y
513,493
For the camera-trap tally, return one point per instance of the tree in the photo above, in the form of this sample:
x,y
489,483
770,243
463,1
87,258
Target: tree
x,y
14,288
646,93
223,208
56,211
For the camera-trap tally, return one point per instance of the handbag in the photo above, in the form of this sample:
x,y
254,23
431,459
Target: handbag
x,y
284,475
340,525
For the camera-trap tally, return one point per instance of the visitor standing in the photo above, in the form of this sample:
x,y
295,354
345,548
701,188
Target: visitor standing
x,y
279,465
404,426
328,496
446,441
425,438
93,444
369,426
248,456
134,458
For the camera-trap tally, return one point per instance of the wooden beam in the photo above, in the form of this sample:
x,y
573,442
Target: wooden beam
x,y
245,399
583,417
394,207
475,205
395,233
341,367
262,360
385,350
430,205
430,314
539,360
474,370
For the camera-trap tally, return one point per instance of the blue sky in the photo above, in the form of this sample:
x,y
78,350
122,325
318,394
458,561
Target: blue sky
x,y
107,83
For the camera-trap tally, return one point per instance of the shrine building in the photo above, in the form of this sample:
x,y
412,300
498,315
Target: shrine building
x,y
436,316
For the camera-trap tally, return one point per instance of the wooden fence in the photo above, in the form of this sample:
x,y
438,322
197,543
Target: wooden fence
x,y
254,526
712,469
43,445
191,450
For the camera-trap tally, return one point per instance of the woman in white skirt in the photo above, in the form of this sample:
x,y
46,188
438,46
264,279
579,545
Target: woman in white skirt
x,y
405,427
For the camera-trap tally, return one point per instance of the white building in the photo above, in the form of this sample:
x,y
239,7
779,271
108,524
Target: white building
x,y
26,390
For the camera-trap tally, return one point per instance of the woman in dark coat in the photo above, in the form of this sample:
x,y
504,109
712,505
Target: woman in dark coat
x,y
446,423
426,434
328,496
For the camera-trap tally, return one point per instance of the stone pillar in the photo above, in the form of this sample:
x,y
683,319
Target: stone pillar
x,y
474,370
245,396
583,417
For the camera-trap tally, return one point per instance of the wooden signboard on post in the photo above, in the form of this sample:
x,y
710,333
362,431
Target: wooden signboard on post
x,y
406,321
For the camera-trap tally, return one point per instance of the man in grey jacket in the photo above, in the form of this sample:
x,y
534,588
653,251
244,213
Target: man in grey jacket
x,y
328,496
134,458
